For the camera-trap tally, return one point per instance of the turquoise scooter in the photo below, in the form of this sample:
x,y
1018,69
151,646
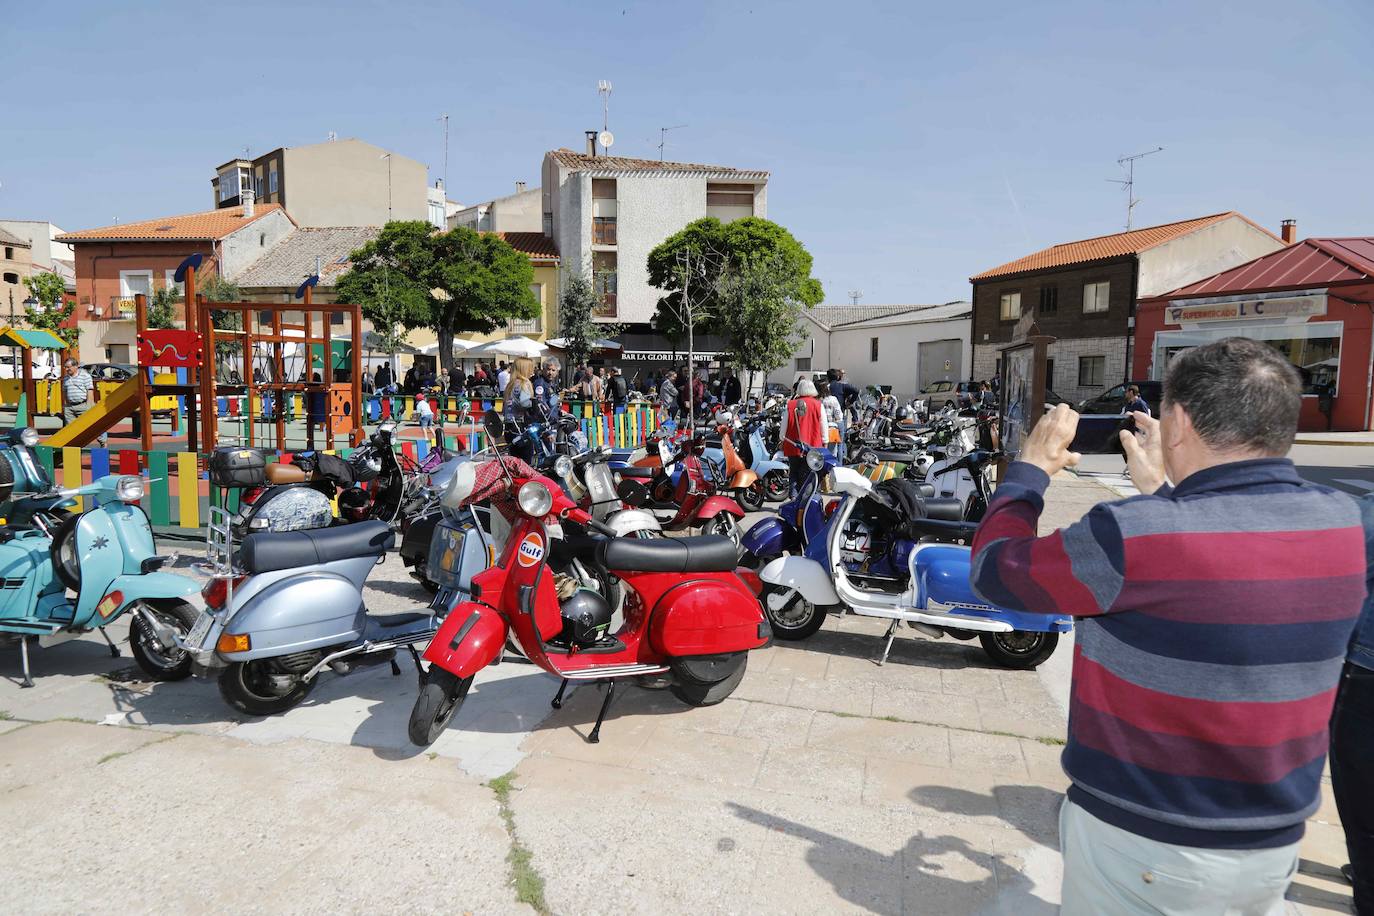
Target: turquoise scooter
x,y
104,556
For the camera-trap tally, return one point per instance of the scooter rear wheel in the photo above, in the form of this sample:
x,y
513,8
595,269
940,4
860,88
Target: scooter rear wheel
x,y
160,662
262,687
441,696
688,688
1019,649
776,485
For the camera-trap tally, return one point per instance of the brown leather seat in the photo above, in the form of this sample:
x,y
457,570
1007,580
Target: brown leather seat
x,y
285,473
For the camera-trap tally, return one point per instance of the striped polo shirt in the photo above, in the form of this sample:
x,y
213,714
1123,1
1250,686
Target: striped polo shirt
x,y
1215,618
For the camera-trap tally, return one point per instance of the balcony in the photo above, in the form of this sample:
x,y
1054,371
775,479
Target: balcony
x,y
603,230
607,307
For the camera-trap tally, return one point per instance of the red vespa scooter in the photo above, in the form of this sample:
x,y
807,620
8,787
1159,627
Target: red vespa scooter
x,y
688,612
693,496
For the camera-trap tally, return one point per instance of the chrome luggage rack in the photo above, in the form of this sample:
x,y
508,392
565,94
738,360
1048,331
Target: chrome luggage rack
x,y
219,548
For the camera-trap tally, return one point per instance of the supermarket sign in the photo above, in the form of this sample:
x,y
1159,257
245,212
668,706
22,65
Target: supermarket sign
x,y
1249,308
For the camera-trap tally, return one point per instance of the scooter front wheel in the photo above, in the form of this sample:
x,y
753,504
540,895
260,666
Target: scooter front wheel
x,y
1020,649
262,687
161,662
440,698
789,614
751,497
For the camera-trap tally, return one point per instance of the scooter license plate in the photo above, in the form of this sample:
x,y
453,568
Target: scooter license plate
x,y
200,630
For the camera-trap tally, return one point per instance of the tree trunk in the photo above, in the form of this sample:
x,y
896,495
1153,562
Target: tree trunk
x,y
445,350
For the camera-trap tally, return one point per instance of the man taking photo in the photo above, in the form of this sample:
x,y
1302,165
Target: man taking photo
x,y
1214,616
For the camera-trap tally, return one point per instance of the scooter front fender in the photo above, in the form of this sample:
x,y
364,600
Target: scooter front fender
x,y
764,468
806,576
470,638
715,505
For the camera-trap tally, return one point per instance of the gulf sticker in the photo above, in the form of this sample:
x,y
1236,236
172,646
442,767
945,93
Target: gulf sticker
x,y
531,549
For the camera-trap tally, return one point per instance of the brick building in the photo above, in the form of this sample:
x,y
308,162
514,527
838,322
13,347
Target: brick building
x,y
1084,293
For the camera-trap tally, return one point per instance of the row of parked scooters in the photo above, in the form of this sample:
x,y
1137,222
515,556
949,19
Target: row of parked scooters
x,y
592,564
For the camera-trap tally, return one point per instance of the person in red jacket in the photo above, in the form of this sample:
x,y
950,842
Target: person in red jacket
x,y
804,427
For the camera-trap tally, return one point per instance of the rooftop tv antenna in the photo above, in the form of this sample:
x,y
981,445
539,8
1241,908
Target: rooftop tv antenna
x,y
855,295
444,118
663,138
1128,183
605,138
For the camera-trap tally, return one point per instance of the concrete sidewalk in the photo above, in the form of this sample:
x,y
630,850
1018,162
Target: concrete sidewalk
x,y
827,783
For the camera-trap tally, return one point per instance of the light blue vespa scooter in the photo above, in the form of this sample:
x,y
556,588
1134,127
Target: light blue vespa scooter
x,y
104,556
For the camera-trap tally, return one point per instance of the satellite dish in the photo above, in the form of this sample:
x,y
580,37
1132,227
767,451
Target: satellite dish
x,y
606,139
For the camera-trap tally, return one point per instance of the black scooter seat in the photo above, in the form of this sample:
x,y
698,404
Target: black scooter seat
x,y
409,618
944,509
707,553
635,471
269,551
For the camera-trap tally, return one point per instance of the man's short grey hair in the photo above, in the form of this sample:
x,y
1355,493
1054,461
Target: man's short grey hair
x,y
806,388
70,361
1239,393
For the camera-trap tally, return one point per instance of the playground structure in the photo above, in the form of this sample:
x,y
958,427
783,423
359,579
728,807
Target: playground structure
x,y
26,340
253,367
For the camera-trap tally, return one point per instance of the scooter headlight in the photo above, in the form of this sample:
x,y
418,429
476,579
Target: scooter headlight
x,y
563,466
28,436
954,449
130,489
534,499
815,460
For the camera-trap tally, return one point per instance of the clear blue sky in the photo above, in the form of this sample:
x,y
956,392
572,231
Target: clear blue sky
x,y
910,144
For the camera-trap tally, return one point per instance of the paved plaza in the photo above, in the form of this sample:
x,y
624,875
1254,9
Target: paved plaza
x,y
826,784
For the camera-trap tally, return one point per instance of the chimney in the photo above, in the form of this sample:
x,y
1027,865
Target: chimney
x,y
246,195
519,187
1288,231
591,142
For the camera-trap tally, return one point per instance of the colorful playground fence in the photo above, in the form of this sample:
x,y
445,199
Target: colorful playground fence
x,y
179,494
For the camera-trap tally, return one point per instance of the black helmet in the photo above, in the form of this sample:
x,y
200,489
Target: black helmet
x,y
354,503
586,617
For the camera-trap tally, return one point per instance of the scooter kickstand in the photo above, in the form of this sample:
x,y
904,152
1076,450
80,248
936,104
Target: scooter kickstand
x,y
419,668
595,736
887,646
114,650
558,697
24,654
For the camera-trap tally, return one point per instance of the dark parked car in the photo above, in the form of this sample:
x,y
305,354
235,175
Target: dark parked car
x,y
1101,417
110,372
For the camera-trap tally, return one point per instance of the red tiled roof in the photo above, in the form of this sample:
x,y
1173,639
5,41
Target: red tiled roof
x,y
581,161
537,245
1309,263
210,225
1106,246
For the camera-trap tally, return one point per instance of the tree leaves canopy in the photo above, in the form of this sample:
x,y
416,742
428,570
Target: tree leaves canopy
x,y
747,279
411,276
54,308
576,307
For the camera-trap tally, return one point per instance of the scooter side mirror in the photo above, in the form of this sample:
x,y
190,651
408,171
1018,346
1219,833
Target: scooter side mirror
x,y
494,424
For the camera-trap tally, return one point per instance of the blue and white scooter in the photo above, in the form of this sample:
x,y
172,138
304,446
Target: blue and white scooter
x,y
859,565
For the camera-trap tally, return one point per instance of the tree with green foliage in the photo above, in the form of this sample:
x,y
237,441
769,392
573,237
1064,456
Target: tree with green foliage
x,y
162,307
411,276
228,351
54,309
576,308
748,280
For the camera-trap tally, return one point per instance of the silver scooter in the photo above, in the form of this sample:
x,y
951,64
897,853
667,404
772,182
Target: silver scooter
x,y
288,605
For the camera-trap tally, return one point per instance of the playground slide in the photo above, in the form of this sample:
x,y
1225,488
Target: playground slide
x,y
116,405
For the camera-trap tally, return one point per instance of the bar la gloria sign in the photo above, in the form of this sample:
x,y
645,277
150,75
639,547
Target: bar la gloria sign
x,y
1248,308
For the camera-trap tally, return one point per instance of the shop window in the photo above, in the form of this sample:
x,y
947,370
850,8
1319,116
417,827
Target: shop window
x,y
1010,308
1095,296
1049,300
1091,371
1314,349
872,349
